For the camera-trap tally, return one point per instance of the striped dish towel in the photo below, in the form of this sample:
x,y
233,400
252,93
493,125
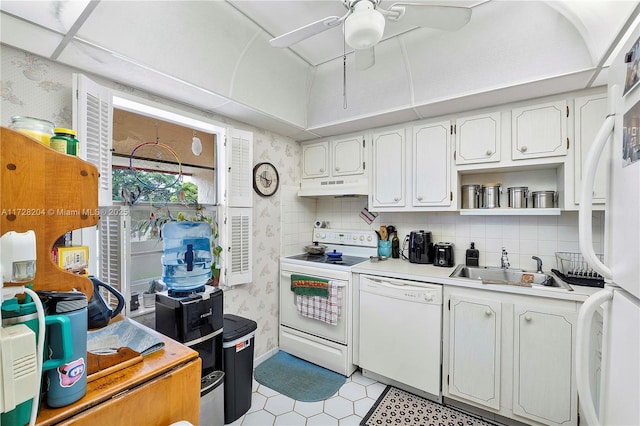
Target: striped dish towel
x,y
309,286
326,309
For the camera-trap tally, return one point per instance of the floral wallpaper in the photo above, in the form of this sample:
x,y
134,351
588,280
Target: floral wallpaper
x,y
36,87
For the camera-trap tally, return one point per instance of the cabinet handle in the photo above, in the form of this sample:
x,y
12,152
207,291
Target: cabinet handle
x,y
396,199
488,312
523,149
420,198
527,318
337,169
321,170
489,152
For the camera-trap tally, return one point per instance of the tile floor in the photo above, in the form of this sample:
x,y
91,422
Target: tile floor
x,y
347,407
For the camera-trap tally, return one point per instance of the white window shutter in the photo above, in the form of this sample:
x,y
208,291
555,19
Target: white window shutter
x,y
239,170
92,119
114,248
239,251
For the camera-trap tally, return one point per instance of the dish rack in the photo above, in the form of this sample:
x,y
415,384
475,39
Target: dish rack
x,y
573,265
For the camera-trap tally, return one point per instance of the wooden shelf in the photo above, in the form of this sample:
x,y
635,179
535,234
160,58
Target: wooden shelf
x,y
50,193
510,212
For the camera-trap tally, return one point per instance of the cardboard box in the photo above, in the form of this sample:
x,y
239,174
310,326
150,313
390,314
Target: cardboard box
x,y
74,259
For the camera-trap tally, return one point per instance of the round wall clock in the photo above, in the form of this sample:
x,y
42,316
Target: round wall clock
x,y
265,179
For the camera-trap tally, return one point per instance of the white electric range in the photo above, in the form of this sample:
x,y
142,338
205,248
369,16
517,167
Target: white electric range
x,y
327,345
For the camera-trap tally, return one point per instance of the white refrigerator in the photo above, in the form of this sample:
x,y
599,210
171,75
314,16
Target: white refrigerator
x,y
616,400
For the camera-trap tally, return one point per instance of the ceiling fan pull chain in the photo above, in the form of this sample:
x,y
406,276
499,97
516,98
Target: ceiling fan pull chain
x,y
344,73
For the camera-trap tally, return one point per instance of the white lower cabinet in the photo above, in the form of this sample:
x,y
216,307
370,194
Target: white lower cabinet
x,y
474,350
511,355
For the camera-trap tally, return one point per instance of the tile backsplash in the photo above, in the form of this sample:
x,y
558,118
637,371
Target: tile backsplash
x,y
521,236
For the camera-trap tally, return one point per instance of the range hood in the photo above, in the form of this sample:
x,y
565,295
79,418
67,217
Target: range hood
x,y
334,186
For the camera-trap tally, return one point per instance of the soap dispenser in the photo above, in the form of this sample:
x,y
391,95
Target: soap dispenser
x,y
473,256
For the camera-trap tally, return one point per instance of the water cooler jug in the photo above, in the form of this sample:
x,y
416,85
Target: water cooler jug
x,y
196,320
186,259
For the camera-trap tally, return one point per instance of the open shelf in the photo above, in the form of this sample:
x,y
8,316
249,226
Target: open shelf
x,y
510,212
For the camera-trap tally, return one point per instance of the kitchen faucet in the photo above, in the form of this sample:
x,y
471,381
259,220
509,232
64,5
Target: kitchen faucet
x,y
539,264
504,260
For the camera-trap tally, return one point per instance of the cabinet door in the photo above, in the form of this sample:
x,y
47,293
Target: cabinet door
x,y
315,160
474,350
539,130
544,383
590,114
478,139
431,165
348,156
389,156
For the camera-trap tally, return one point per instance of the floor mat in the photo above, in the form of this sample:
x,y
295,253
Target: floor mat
x,y
399,407
298,379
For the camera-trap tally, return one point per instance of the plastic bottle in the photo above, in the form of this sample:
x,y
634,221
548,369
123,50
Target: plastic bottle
x,y
64,141
187,255
42,130
395,246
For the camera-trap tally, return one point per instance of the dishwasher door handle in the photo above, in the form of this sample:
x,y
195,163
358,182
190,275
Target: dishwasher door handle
x,y
392,285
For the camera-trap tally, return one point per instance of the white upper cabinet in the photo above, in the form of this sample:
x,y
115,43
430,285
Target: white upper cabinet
x,y
590,112
478,138
539,130
347,156
389,169
431,165
315,160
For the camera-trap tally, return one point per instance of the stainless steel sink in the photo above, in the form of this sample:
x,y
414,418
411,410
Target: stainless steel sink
x,y
517,277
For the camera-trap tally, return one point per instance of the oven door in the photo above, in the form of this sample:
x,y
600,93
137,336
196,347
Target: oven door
x,y
289,315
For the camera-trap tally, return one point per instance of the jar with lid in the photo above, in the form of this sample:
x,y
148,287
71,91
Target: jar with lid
x,y
41,130
65,141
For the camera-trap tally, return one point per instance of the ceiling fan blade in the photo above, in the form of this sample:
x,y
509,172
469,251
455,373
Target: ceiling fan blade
x,y
365,58
302,33
449,18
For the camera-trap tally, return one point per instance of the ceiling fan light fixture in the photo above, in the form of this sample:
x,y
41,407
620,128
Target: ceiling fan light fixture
x,y
364,27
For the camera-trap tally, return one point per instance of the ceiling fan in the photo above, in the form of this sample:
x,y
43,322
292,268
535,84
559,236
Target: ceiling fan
x,y
364,24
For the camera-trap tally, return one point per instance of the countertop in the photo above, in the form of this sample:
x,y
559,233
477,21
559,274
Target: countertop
x,y
403,269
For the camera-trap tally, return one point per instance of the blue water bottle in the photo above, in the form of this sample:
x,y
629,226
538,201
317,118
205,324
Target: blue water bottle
x,y
186,258
67,383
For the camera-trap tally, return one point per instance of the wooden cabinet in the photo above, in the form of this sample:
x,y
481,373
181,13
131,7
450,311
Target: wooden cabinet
x,y
389,154
315,160
162,389
474,350
431,155
543,382
478,138
539,130
590,112
511,354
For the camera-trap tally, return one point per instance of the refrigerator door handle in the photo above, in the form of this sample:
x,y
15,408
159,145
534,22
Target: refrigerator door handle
x,y
583,342
586,188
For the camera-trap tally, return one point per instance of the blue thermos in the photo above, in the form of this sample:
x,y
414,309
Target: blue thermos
x,y
67,383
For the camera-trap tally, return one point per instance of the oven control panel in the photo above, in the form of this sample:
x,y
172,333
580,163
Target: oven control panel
x,y
348,238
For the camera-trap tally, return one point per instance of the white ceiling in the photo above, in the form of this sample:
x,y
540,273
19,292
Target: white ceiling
x,y
215,55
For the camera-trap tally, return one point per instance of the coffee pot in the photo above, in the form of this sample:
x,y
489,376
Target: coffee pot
x,y
99,312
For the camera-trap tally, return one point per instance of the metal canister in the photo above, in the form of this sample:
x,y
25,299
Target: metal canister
x,y
518,196
544,199
491,195
65,141
471,196
41,130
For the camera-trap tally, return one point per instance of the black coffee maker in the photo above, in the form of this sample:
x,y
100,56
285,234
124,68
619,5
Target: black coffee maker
x,y
420,247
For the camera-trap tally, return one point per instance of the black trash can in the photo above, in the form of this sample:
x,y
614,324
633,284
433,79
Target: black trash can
x,y
238,339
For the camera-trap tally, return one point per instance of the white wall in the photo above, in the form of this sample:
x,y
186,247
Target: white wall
x,y
522,236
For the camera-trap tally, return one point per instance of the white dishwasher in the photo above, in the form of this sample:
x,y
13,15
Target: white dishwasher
x,y
401,331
